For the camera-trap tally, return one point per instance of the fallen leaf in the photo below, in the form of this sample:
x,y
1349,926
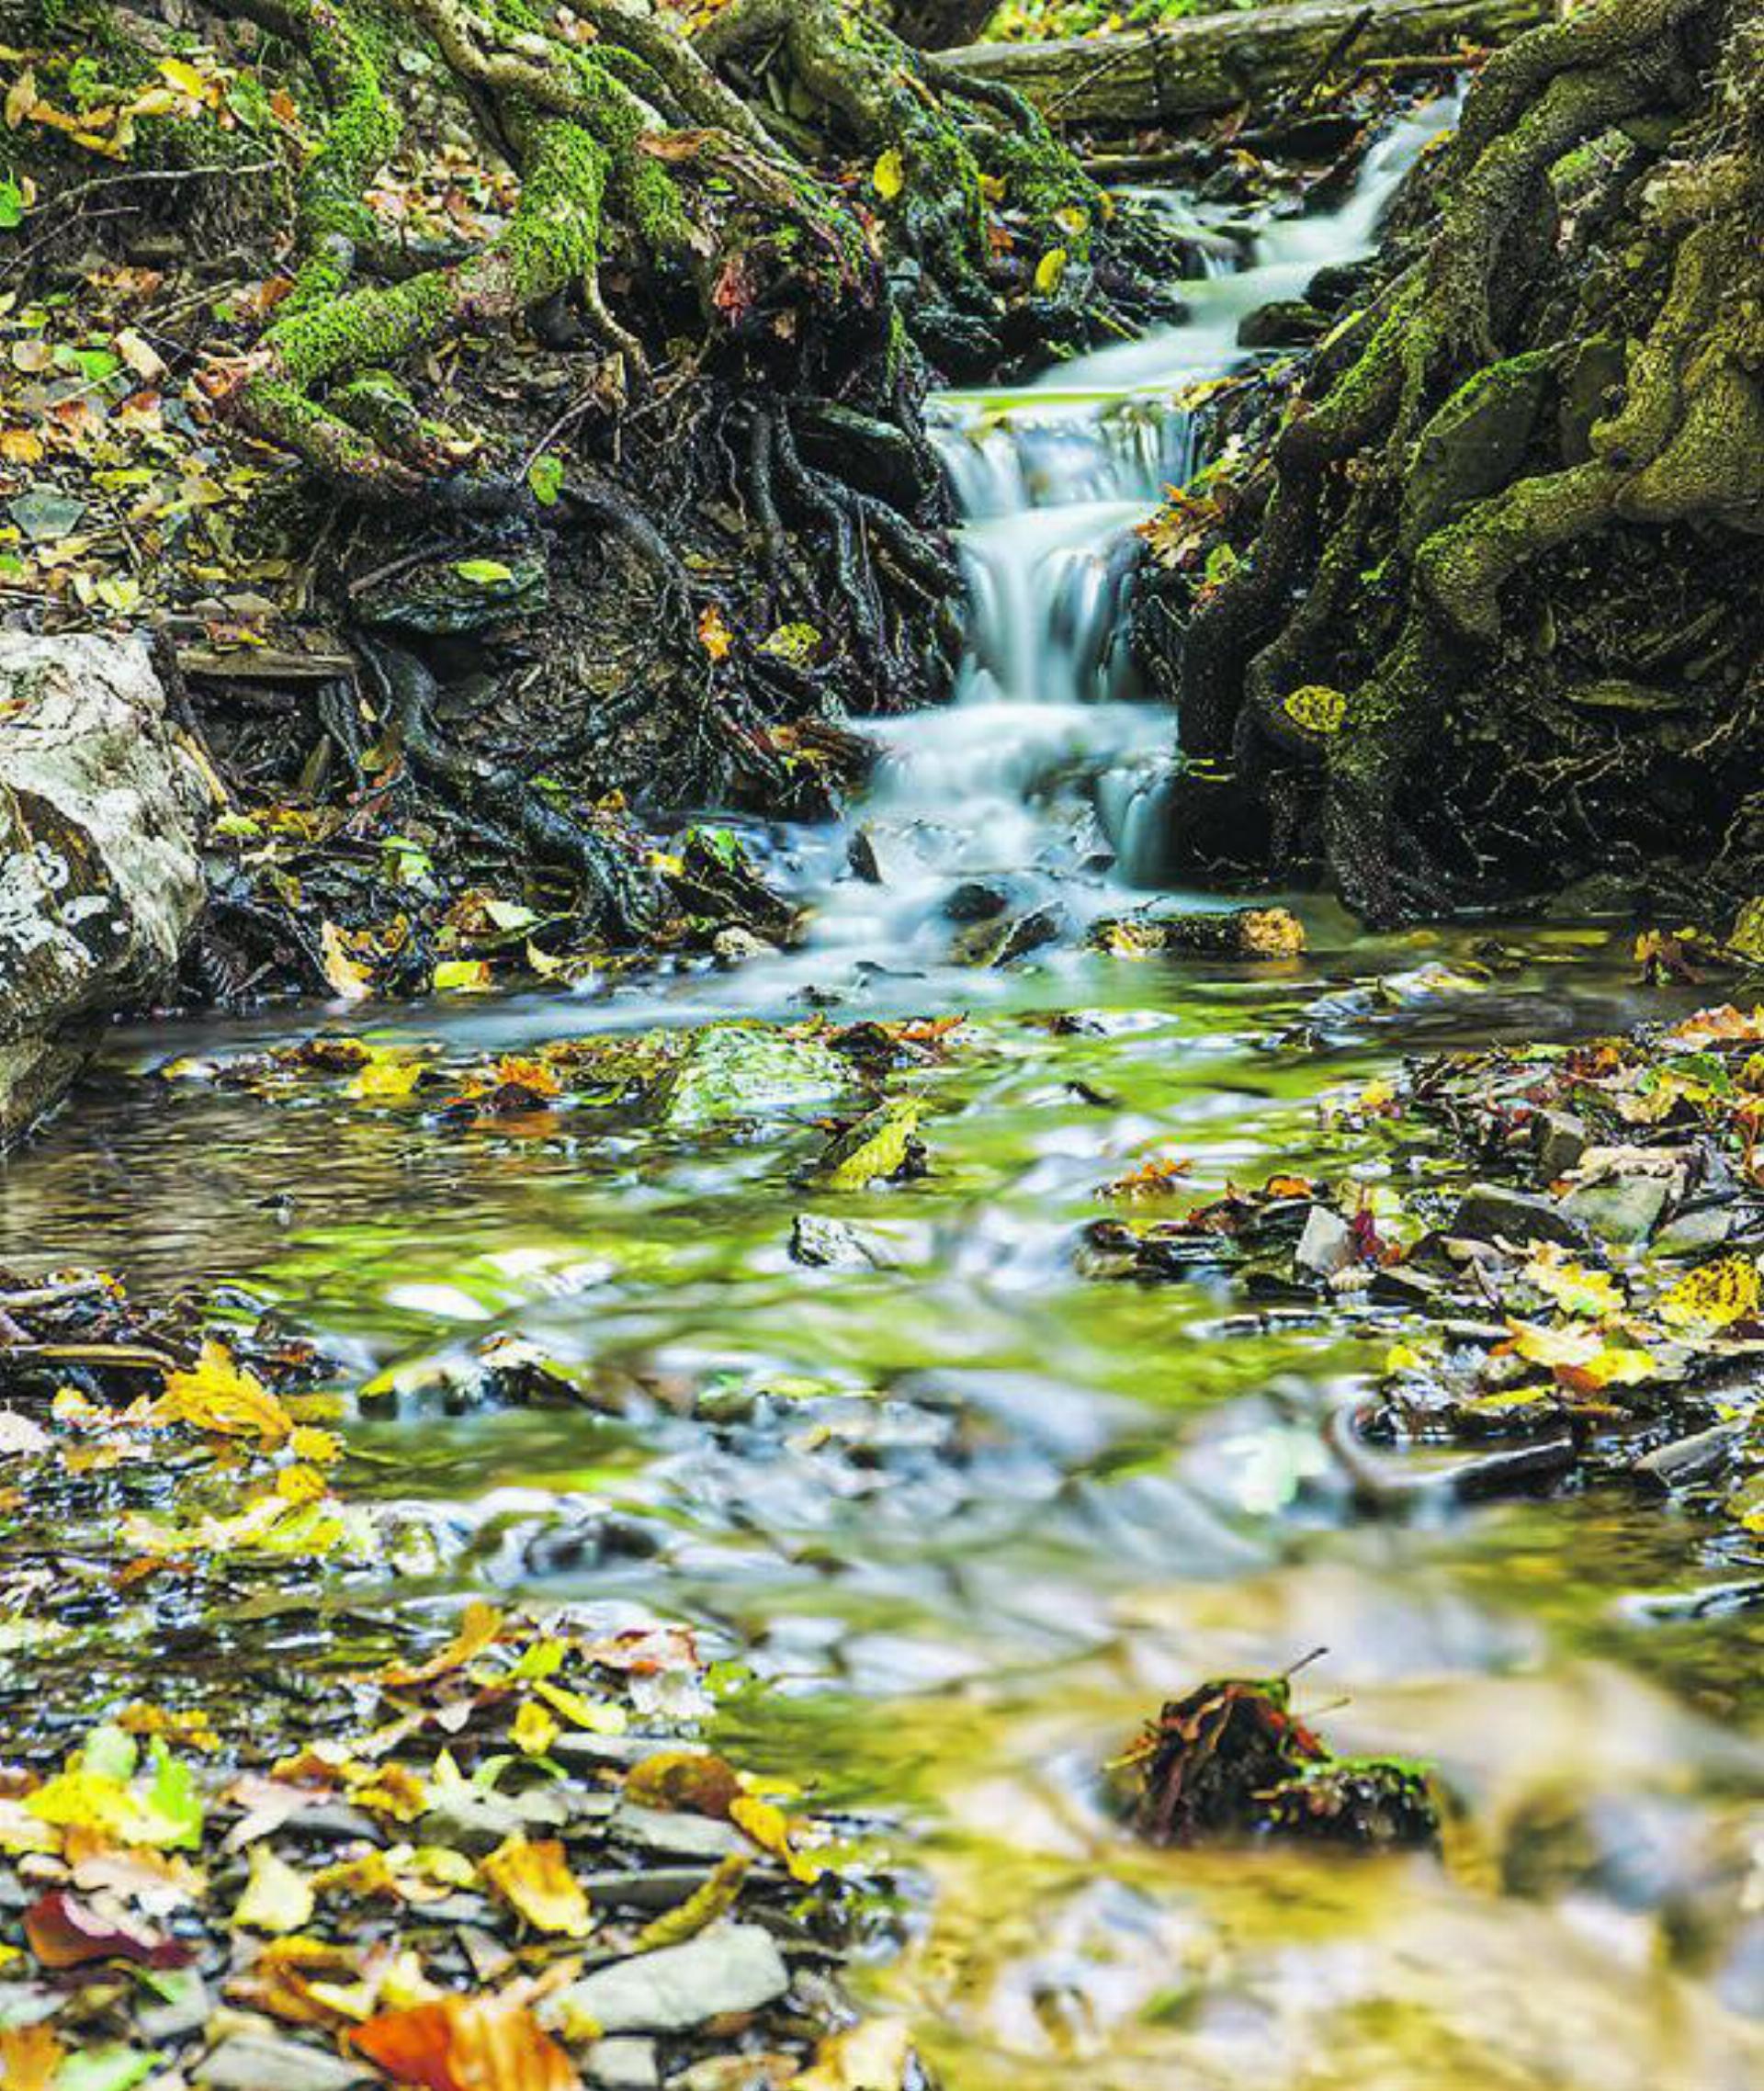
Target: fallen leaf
x,y
714,634
347,976
278,1897
478,1626
64,1932
30,2057
536,1882
216,1395
768,1828
873,2055
466,2043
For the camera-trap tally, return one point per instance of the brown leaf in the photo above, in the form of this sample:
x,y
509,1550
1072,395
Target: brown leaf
x,y
686,1781
478,1629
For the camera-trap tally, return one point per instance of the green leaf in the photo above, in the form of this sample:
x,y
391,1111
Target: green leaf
x,y
483,573
105,2069
111,1753
12,206
545,476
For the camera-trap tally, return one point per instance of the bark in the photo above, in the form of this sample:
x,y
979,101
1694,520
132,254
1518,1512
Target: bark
x,y
1218,62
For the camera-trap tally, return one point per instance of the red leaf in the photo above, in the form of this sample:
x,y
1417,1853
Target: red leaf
x,y
64,1932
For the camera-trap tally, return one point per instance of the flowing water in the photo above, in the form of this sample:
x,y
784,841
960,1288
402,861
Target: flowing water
x,y
955,1526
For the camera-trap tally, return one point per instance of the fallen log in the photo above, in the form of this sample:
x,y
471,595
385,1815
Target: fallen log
x,y
100,873
1216,61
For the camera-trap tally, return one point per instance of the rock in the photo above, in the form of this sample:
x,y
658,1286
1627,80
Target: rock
x,y
1473,444
1233,933
1336,283
475,1822
719,882
748,1071
100,871
1625,1209
675,1835
737,946
1561,1139
998,941
250,2060
624,2064
838,1245
1695,1231
1326,1246
974,900
1285,323
1488,1211
867,857
731,1967
1689,1461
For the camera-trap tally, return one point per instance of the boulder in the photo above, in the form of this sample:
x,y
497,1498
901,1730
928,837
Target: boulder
x,y
100,869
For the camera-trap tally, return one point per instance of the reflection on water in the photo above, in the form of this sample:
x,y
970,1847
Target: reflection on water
x,y
962,1522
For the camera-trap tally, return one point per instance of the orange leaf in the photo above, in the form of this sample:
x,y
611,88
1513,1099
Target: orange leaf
x,y
467,2043
688,1781
714,634
478,1629
30,2057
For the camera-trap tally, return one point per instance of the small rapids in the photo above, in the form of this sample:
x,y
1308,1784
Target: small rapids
x,y
951,1525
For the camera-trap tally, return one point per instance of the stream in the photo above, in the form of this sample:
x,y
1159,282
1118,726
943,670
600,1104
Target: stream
x,y
955,1526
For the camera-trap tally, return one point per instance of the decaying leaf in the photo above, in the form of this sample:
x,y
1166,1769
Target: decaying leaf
x,y
218,1394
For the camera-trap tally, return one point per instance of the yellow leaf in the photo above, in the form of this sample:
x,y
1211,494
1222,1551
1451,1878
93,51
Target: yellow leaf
x,y
534,1730
388,1077
1716,1294
347,976
478,1627
30,2057
462,977
1049,271
301,1485
278,1897
889,176
766,1826
704,1906
140,354
536,1882
597,1717
317,1448
1553,1347
185,78
216,1394
1574,1291
874,2055
21,98
714,634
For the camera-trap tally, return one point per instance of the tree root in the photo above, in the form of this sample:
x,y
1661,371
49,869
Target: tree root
x,y
1367,601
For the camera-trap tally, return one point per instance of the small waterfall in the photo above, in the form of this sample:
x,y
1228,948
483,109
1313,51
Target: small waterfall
x,y
1044,778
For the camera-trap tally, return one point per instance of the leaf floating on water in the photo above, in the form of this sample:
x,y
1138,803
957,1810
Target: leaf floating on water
x,y
536,1882
478,1627
467,2043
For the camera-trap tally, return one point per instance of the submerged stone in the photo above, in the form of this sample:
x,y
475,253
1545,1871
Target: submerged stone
x,y
748,1071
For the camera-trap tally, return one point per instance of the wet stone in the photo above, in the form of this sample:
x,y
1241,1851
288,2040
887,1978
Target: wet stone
x,y
622,2065
746,1071
674,1835
731,1967
265,2062
1492,1210
1561,1139
841,1245
1625,1210
477,1823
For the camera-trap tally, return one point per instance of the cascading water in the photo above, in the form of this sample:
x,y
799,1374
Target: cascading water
x,y
1042,778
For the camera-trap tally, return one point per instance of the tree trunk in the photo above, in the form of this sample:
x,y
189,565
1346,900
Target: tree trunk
x,y
1216,61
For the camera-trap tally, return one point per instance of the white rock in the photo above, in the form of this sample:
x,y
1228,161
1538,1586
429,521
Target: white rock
x,y
100,871
731,1967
